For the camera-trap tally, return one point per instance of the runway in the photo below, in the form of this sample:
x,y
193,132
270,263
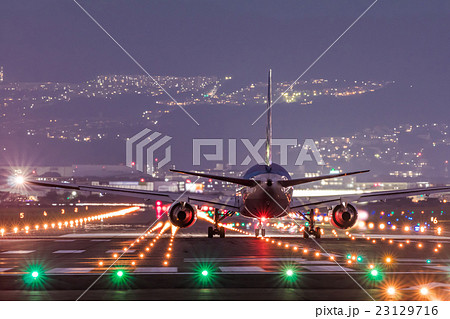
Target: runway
x,y
113,263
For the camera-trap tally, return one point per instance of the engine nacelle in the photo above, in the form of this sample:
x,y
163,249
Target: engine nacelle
x,y
344,217
182,214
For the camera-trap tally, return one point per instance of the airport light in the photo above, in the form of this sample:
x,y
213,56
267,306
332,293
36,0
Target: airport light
x,y
205,273
388,260
35,274
119,273
424,291
359,258
391,291
374,273
19,180
289,272
428,261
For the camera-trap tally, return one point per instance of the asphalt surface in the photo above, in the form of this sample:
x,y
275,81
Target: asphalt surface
x,y
281,266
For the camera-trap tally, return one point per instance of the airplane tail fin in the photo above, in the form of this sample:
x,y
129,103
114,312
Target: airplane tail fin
x,y
269,121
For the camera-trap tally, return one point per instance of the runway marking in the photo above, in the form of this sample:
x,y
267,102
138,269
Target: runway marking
x,y
144,270
4,269
18,251
119,251
242,269
63,240
246,259
100,239
401,260
69,251
442,268
69,270
330,268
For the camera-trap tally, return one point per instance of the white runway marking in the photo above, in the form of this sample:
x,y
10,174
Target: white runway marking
x,y
119,251
69,251
144,270
18,251
441,268
4,269
69,270
242,269
100,239
63,240
248,259
328,268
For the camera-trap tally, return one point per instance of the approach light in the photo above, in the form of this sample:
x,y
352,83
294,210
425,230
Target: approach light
x,y
391,291
424,291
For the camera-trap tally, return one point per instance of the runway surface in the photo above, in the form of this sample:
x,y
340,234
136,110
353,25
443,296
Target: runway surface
x,y
109,263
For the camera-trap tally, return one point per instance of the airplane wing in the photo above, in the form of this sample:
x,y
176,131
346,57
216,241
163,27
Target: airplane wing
x,y
298,181
228,203
367,197
234,180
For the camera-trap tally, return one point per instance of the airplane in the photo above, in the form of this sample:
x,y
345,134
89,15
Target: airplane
x,y
265,191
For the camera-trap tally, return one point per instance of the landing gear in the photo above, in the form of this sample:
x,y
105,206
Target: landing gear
x,y
260,229
218,230
310,230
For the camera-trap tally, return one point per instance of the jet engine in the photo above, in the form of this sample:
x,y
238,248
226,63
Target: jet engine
x,y
182,214
344,217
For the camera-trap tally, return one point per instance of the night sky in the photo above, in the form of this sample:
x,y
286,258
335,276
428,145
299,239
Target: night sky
x,y
406,41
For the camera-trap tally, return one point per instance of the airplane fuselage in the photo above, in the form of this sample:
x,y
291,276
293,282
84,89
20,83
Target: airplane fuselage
x,y
267,199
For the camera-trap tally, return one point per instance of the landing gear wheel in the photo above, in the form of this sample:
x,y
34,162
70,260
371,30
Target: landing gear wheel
x,y
256,232
305,234
263,232
222,232
317,232
210,232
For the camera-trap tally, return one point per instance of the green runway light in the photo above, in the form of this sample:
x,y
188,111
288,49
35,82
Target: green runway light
x,y
205,273
119,273
359,258
349,256
289,272
34,274
428,261
374,272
